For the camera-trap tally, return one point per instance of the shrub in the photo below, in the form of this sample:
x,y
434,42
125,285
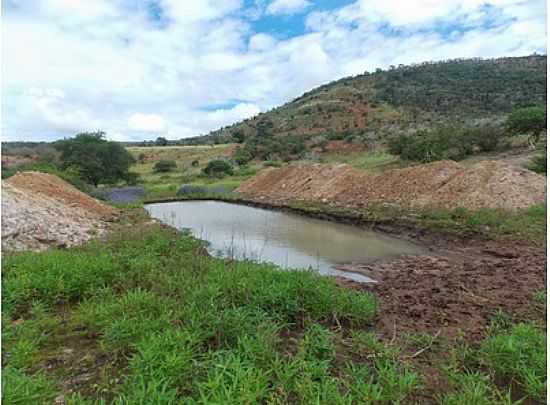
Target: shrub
x,y
218,168
538,162
528,120
454,143
164,166
96,159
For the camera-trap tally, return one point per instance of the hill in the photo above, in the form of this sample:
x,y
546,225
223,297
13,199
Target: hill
x,y
374,106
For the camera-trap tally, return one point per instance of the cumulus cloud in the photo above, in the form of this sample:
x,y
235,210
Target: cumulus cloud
x,y
146,122
287,6
134,70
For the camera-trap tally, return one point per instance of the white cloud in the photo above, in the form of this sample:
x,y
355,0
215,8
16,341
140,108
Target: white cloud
x,y
146,122
222,117
287,6
71,66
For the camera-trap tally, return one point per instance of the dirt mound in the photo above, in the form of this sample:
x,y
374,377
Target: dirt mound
x,y
444,183
40,210
492,184
58,189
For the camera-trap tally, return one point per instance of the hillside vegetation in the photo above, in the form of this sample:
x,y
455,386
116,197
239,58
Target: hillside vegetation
x,y
373,107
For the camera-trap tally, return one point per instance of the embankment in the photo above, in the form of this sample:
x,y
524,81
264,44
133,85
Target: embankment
x,y
444,184
40,210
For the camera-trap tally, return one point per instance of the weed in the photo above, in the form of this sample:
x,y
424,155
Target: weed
x,y
519,355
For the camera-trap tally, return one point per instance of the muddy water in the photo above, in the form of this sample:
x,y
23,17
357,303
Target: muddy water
x,y
288,240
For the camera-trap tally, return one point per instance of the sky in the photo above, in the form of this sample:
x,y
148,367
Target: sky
x,y
140,69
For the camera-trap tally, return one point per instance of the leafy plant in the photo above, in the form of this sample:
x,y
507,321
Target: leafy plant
x,y
218,168
97,160
164,166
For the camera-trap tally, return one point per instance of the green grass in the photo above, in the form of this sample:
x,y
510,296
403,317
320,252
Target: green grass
x,y
160,186
148,319
191,328
528,224
518,355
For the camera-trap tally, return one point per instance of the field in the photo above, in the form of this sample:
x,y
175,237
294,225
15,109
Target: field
x,y
166,185
145,317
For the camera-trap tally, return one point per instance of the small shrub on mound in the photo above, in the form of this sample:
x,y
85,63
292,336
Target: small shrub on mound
x,y
164,166
218,168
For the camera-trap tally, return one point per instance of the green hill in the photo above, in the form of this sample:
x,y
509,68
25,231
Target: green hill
x,y
374,106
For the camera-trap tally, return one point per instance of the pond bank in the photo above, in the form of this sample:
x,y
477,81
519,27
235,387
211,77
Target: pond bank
x,y
463,279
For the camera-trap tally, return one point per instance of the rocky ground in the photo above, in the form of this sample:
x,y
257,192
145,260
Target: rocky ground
x,y
40,210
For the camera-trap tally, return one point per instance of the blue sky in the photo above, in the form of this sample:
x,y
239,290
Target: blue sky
x,y
139,69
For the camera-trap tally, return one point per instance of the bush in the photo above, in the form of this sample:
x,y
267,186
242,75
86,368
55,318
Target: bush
x,y
70,175
528,120
538,163
218,168
164,166
455,143
96,159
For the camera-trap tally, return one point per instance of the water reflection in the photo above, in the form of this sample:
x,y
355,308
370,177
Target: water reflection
x,y
288,240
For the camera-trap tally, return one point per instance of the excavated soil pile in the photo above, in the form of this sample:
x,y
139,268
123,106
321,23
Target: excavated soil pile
x,y
448,184
40,210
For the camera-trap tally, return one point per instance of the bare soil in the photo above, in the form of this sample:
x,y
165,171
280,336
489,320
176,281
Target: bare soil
x,y
447,184
40,211
457,288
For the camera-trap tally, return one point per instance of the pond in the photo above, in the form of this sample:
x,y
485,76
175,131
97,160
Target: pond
x,y
288,240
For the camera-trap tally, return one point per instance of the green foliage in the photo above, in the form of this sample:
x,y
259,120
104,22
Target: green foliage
x,y
519,355
218,168
239,136
474,388
284,148
192,327
70,174
464,86
164,166
97,160
454,143
528,120
161,141
22,389
538,162
400,100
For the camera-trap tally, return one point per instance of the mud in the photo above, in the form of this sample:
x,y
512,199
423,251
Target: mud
x,y
457,289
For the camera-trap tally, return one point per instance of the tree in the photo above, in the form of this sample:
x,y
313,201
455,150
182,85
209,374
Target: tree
x,y
239,136
528,120
161,141
97,159
218,168
164,166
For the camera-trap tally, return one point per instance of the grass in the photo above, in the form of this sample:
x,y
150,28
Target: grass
x,y
166,185
518,355
190,327
144,317
528,224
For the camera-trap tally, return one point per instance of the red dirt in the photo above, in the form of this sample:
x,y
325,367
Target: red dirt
x,y
490,184
53,187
